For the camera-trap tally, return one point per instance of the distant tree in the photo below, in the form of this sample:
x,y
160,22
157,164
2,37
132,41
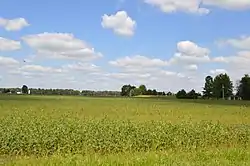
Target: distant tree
x,y
25,89
154,92
181,94
136,92
208,88
149,92
143,89
169,94
222,84
161,94
243,89
6,90
192,94
125,91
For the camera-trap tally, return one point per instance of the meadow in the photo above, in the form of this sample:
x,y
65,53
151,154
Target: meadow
x,y
57,130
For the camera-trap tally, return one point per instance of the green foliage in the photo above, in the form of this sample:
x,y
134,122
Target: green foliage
x,y
40,127
136,92
184,95
25,89
126,90
208,88
26,135
244,88
181,94
225,157
222,81
143,89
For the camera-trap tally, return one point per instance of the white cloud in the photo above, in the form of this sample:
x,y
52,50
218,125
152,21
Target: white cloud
x,y
170,6
8,61
196,6
191,53
239,61
240,43
120,23
236,65
219,59
192,67
138,61
13,24
82,67
138,70
229,4
9,45
218,71
127,76
61,46
39,68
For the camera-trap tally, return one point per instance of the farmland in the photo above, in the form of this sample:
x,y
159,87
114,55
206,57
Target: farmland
x,y
56,130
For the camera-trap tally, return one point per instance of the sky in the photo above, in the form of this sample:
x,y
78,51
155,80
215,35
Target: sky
x,y
166,45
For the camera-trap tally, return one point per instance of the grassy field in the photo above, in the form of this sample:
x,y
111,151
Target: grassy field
x,y
55,130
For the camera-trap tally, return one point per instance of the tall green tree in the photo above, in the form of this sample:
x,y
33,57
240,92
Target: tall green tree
x,y
126,90
208,88
244,88
222,85
192,95
25,89
154,92
143,89
181,94
136,92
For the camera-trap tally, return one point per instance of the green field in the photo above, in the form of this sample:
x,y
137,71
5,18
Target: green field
x,y
55,130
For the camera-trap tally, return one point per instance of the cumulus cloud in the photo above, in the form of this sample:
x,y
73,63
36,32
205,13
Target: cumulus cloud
x,y
240,61
170,6
8,62
61,46
218,71
196,6
9,45
236,65
39,68
240,43
192,67
191,53
13,24
138,60
150,71
86,67
127,76
229,4
120,23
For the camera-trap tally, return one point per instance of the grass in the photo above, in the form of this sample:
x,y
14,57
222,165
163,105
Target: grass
x,y
56,130
198,158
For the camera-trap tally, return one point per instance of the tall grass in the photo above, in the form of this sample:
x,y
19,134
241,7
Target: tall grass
x,y
36,130
26,135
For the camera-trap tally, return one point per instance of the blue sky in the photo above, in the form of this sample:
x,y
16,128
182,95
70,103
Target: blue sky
x,y
165,44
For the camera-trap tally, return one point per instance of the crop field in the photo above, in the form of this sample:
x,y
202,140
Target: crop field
x,y
56,130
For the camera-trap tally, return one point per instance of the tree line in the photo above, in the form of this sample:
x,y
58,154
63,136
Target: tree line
x,y
220,87
66,92
130,90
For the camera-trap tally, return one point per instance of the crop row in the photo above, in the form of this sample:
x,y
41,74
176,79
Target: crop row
x,y
38,136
